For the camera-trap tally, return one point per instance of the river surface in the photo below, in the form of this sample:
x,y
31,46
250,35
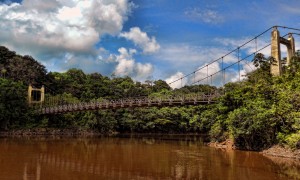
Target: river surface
x,y
159,157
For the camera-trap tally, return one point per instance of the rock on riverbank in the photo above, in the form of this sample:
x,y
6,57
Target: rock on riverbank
x,y
279,151
274,151
227,144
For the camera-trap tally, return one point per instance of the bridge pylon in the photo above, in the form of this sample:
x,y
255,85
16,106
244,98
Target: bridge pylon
x,y
36,95
276,40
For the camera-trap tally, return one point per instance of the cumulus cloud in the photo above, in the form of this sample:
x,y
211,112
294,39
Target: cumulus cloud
x,y
180,82
143,71
141,39
60,26
63,34
126,65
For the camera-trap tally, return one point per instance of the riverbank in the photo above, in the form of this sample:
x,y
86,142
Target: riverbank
x,y
275,151
50,132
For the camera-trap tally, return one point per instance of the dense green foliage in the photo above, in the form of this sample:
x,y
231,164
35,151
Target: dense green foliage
x,y
13,105
257,112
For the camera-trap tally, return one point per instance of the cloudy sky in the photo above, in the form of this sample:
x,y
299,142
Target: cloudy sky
x,y
143,39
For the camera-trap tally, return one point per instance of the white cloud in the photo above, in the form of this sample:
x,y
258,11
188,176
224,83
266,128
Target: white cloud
x,y
125,67
141,39
178,84
126,64
128,67
63,34
204,74
209,16
60,26
143,71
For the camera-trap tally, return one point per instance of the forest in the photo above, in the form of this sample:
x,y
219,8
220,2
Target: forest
x,y
255,113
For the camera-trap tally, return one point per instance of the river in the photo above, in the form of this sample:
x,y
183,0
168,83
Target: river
x,y
139,157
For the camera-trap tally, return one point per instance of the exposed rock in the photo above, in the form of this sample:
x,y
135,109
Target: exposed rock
x,y
274,151
227,144
279,151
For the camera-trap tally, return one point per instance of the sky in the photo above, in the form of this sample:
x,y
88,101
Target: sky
x,y
143,39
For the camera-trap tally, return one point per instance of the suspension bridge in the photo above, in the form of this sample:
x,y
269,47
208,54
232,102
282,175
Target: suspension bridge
x,y
190,99
231,67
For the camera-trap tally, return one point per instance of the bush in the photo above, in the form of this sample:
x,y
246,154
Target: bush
x,y
293,140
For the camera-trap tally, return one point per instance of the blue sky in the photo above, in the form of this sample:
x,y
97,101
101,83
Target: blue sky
x,y
144,39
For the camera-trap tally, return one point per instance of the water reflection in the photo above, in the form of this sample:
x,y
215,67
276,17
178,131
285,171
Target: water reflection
x,y
132,158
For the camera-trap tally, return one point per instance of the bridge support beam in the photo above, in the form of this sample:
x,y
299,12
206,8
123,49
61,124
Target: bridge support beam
x,y
276,40
29,94
290,48
275,52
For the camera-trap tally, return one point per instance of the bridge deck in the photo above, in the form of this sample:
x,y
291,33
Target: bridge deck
x,y
131,103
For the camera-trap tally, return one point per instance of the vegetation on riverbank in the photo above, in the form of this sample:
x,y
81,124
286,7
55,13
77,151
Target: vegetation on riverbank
x,y
255,113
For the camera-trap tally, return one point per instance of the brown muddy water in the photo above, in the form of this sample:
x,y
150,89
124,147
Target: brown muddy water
x,y
159,157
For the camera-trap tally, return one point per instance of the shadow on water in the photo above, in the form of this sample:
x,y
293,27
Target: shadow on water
x,y
133,157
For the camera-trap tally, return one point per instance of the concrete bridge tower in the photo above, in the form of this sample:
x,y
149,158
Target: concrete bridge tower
x,y
276,40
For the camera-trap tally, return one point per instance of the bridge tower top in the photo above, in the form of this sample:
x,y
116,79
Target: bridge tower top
x,y
276,40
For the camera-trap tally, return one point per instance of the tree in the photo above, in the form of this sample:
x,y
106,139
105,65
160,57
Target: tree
x,y
21,68
14,110
160,85
263,71
263,63
5,55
